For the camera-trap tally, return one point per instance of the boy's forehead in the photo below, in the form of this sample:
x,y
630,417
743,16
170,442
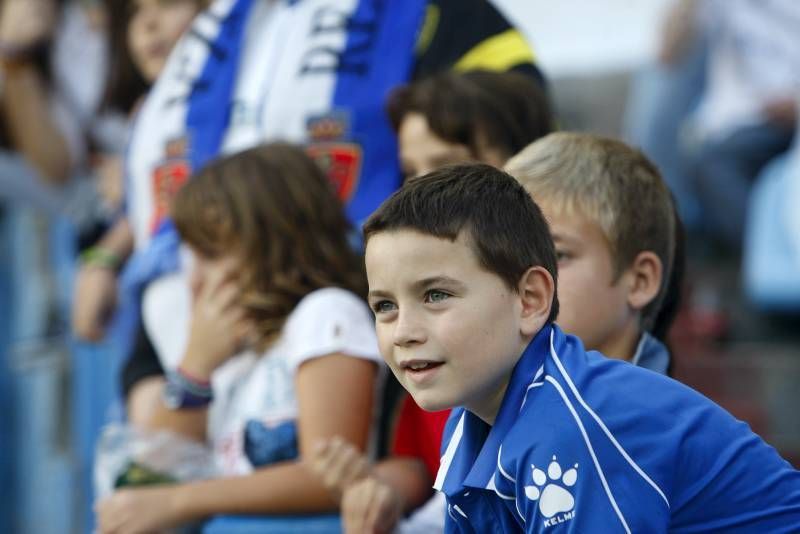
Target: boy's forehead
x,y
401,241
571,213
409,251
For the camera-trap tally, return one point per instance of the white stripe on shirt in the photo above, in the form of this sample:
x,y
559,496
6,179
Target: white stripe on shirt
x,y
591,451
602,425
444,466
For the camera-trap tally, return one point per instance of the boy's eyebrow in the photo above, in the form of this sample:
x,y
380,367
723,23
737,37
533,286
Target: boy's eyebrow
x,y
561,237
378,294
437,280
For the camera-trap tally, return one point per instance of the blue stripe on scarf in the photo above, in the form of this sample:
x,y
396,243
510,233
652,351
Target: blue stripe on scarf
x,y
382,35
209,110
207,119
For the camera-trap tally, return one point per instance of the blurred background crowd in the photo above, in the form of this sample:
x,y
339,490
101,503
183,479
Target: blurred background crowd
x,y
708,89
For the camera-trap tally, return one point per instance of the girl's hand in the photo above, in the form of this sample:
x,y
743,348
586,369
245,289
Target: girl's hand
x,y
26,23
219,326
130,511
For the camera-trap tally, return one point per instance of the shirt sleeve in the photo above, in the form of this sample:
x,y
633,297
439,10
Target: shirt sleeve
x,y
330,321
574,478
471,35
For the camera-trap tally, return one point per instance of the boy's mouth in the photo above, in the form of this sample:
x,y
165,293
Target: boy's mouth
x,y
420,370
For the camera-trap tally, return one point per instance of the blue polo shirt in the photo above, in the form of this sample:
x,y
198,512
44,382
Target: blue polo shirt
x,y
583,443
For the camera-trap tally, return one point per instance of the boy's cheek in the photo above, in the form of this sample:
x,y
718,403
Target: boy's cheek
x,y
384,344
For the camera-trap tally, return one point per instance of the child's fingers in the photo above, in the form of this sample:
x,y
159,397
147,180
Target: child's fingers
x,y
342,460
322,457
379,508
316,460
320,448
225,293
244,328
353,466
355,504
219,276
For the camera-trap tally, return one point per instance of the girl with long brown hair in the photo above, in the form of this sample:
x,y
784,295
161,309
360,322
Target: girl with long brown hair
x,y
281,351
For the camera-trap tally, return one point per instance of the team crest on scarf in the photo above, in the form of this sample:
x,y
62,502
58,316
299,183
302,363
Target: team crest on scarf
x,y
339,158
168,177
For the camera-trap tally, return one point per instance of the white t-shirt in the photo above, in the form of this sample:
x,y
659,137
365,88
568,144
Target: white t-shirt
x,y
252,387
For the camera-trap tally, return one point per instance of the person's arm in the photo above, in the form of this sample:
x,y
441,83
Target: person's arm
x,y
373,499
335,397
218,328
96,283
376,503
26,102
679,31
409,478
26,107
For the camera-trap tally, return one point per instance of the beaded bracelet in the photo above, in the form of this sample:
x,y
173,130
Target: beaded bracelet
x,y
184,391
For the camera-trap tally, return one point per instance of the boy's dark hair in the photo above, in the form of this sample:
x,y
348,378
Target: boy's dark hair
x,y
506,229
477,109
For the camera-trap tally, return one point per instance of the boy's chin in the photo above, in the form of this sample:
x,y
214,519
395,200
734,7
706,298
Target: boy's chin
x,y
429,403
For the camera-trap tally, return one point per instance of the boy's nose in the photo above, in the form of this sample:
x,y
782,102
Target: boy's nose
x,y
409,330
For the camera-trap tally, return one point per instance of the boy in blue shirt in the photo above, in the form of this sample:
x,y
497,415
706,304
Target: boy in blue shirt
x,y
548,437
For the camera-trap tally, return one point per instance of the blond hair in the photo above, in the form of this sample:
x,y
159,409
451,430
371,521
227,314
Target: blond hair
x,y
611,184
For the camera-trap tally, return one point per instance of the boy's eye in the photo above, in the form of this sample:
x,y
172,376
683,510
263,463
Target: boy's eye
x,y
383,306
435,295
562,255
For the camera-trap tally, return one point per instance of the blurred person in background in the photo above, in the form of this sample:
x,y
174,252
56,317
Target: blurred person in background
x,y
748,109
715,109
51,66
474,116
721,106
52,59
771,262
142,33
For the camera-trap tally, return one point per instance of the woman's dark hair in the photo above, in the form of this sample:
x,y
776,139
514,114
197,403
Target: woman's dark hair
x,y
501,110
125,83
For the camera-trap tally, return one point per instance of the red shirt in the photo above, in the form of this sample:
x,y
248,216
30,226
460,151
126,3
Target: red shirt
x,y
419,434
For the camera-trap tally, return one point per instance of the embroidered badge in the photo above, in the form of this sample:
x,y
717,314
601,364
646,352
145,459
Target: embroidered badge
x,y
167,179
339,158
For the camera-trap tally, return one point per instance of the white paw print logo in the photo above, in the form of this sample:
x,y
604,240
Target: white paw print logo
x,y
553,498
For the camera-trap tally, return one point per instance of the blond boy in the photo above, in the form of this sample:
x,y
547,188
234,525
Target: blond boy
x,y
614,228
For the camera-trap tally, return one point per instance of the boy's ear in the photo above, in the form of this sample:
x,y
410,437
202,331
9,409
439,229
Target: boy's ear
x,y
536,290
645,275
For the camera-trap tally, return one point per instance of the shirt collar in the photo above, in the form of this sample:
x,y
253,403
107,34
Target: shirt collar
x,y
651,354
474,461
